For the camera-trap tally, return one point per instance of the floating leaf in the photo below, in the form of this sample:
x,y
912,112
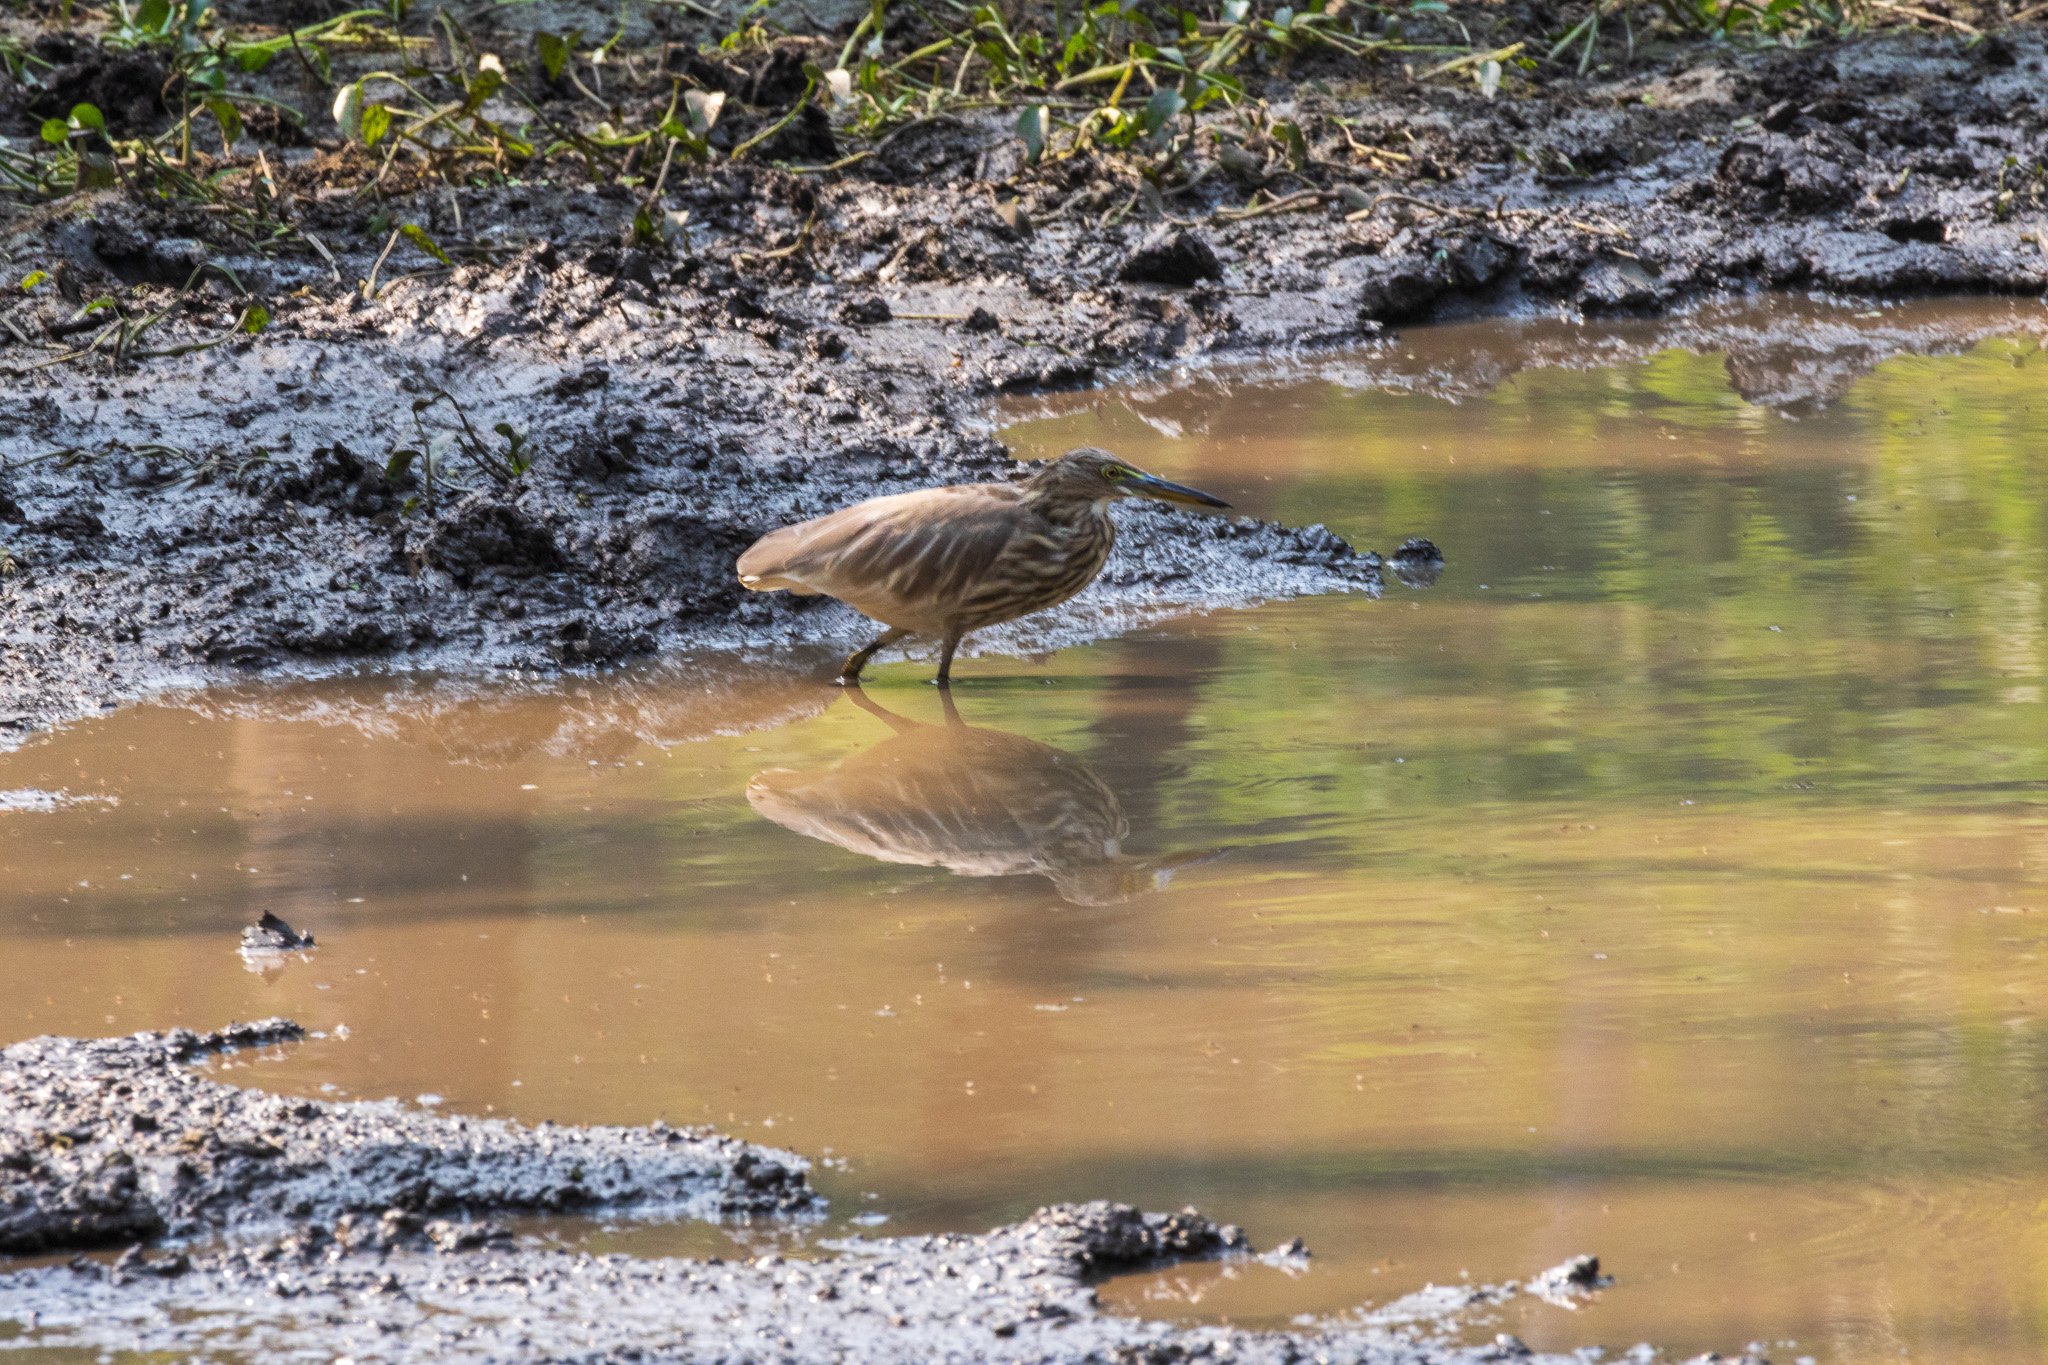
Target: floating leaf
x,y
55,130
87,116
1031,126
412,232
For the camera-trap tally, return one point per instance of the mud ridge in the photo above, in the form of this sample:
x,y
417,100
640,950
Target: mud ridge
x,y
363,1229
394,1289
115,1141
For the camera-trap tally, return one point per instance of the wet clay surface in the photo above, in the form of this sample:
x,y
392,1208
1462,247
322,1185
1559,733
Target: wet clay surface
x,y
119,1141
813,338
1021,1293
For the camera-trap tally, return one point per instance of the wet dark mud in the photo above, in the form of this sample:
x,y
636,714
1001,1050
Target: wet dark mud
x,y
118,1141
805,338
393,1289
363,1229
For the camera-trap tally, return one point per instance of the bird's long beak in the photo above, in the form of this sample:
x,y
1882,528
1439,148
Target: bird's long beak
x,y
1160,490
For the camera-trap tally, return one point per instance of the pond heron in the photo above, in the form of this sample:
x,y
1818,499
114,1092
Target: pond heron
x,y
943,561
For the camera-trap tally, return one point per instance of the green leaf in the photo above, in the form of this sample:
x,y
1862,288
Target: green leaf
x,y
412,232
1160,110
376,122
86,116
554,53
1031,126
55,130
255,319
96,172
486,84
348,110
154,15
400,462
229,117
1290,135
32,279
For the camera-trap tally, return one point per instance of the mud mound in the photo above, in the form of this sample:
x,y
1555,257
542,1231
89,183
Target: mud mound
x,y
119,1140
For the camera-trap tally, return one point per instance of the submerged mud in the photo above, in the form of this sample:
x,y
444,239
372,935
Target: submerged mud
x,y
811,338
116,1140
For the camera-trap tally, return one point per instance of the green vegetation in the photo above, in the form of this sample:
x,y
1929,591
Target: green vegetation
x,y
440,455
1129,76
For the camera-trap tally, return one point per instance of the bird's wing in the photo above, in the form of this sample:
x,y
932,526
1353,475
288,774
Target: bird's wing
x,y
905,560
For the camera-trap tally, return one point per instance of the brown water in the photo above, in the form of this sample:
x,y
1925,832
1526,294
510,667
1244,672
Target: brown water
x,y
1668,882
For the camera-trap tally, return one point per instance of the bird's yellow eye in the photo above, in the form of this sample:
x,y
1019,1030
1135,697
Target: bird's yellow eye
x,y
1115,471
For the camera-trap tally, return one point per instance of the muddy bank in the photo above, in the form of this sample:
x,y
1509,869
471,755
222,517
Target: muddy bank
x,y
391,1289
796,338
362,1228
1019,1293
115,1141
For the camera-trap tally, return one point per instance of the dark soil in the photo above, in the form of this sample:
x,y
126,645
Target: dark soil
x,y
809,339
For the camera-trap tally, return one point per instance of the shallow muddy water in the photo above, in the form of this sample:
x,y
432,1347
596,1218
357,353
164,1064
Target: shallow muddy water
x,y
1666,882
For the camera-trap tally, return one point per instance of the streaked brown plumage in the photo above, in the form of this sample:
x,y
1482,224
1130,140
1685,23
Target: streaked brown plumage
x,y
944,561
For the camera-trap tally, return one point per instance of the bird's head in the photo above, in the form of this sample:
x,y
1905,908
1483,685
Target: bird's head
x,y
1091,474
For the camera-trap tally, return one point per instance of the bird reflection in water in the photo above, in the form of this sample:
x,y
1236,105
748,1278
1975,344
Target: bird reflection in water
x,y
975,801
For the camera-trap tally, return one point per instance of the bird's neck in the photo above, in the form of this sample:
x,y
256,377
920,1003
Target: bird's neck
x,y
1064,509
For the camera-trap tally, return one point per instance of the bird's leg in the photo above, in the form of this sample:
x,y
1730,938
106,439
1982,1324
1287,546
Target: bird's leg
x,y
849,673
945,678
